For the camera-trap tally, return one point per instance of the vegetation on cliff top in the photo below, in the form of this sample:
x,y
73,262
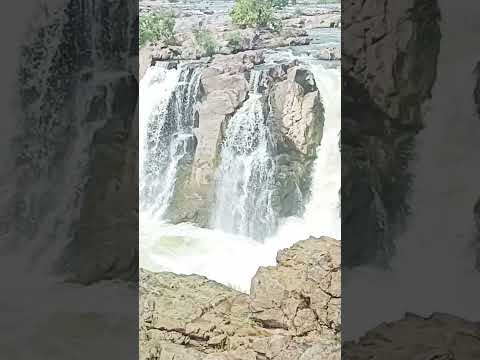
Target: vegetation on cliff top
x,y
205,41
256,13
157,27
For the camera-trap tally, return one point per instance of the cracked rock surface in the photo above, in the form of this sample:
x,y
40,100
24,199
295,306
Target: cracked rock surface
x,y
293,311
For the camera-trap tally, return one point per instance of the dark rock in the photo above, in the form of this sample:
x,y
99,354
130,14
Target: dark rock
x,y
381,114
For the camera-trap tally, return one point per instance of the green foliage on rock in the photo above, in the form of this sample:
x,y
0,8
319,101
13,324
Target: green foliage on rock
x,y
157,27
206,42
235,40
255,13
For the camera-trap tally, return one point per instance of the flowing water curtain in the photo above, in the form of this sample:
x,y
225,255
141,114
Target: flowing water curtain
x,y
246,175
168,139
67,99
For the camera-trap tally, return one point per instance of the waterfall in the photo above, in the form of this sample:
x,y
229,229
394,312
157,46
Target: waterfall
x,y
230,252
433,268
167,142
246,175
322,213
61,104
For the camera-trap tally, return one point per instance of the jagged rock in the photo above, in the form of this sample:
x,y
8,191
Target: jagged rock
x,y
286,37
224,88
296,104
440,336
328,53
381,115
193,318
144,59
302,293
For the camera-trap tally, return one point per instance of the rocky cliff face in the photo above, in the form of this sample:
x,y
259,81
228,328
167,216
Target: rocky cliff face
x,y
291,98
388,69
77,142
440,336
292,312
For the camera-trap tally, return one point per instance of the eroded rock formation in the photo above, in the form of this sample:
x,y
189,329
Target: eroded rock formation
x,y
292,312
294,101
388,70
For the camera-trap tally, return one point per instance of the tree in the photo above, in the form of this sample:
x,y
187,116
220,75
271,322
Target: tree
x,y
259,13
157,27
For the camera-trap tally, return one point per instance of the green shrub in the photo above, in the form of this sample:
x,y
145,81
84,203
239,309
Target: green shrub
x,y
259,13
157,27
235,41
206,42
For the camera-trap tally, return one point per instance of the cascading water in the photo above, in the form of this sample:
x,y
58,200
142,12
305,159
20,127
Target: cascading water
x,y
433,268
63,99
246,230
229,253
322,214
167,142
246,175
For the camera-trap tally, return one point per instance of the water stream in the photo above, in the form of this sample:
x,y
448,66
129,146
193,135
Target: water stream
x,y
167,135
231,251
246,175
433,269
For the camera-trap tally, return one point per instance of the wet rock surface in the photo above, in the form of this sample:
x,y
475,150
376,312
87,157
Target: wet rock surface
x,y
381,115
291,97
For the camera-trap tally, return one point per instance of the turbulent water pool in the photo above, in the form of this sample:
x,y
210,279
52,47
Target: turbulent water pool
x,y
227,252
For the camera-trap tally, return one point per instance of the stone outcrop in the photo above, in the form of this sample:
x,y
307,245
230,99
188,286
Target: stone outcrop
x,y
440,336
389,61
302,293
292,312
298,104
291,95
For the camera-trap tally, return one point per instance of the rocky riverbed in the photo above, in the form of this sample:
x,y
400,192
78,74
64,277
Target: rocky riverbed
x,y
292,312
304,26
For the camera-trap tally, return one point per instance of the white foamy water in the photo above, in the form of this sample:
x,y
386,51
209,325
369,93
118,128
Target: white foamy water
x,y
433,269
166,132
234,259
246,175
42,316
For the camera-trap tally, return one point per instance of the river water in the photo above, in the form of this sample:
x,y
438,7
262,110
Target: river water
x,y
231,251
